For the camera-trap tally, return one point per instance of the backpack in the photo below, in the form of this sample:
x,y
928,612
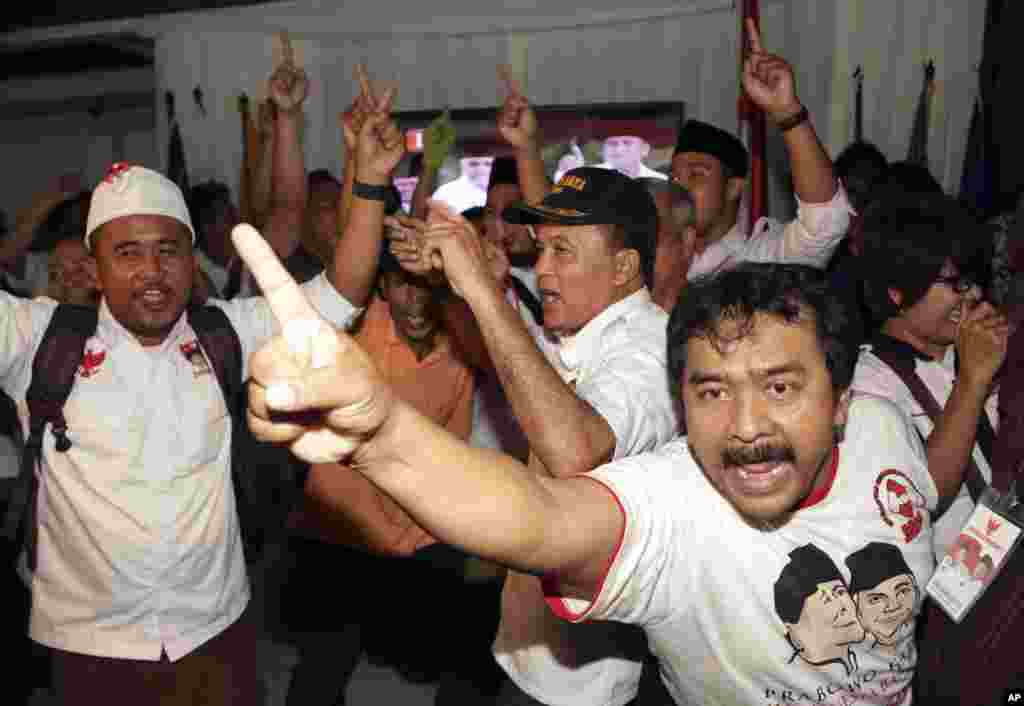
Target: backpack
x,y
53,374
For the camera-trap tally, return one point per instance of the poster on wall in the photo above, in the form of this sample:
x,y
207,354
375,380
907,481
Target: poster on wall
x,y
637,139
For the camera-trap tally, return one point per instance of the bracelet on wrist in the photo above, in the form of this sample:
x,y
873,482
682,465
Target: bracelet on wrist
x,y
371,192
792,121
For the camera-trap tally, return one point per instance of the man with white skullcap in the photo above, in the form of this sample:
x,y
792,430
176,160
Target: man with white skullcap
x,y
140,583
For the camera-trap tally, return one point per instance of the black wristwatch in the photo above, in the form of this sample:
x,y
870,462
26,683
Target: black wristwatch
x,y
371,192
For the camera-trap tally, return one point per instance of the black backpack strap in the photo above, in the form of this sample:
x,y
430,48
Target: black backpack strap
x,y
53,374
904,368
529,299
223,349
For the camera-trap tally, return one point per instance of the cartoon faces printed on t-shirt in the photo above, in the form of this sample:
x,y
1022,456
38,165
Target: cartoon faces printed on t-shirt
x,y
825,616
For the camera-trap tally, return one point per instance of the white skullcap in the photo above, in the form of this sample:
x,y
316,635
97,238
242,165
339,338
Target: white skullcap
x,y
135,191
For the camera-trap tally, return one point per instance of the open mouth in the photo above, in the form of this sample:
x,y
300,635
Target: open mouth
x,y
761,477
548,296
154,297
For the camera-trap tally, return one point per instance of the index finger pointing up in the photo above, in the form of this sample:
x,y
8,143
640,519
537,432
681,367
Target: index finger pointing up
x,y
511,84
287,51
754,36
364,82
282,293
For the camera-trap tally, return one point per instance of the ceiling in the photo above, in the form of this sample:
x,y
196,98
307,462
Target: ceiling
x,y
50,13
85,54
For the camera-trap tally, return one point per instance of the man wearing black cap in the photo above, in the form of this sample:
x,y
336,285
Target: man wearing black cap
x,y
588,387
712,164
885,592
813,602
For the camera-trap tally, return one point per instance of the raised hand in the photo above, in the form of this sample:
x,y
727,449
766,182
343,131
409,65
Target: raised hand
x,y
362,105
982,341
453,244
517,122
768,79
289,85
313,388
406,236
380,144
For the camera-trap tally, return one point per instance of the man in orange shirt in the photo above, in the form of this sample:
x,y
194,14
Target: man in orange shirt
x,y
346,519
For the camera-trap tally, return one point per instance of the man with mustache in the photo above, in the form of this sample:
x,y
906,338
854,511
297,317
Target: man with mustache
x,y
681,541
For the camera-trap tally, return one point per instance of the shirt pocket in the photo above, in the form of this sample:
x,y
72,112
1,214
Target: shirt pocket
x,y
204,425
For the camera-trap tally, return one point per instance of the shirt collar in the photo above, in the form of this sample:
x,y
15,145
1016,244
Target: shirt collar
x,y
576,351
720,252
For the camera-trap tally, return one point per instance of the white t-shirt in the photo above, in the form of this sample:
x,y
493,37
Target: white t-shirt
x,y
618,363
809,239
875,377
724,604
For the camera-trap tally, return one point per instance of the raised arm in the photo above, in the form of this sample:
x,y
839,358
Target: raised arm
x,y
262,165
517,124
768,80
481,501
379,150
981,345
288,192
582,439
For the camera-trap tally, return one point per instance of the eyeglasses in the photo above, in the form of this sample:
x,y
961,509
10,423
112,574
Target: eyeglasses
x,y
958,283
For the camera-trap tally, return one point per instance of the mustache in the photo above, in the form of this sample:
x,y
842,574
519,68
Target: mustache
x,y
749,455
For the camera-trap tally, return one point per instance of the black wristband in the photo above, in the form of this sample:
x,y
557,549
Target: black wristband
x,y
371,192
794,120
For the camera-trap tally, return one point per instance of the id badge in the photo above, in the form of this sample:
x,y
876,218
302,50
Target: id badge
x,y
981,550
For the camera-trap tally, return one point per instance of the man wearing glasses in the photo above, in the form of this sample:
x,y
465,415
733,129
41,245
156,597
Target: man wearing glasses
x,y
922,267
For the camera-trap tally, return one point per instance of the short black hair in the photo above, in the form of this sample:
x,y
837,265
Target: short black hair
x,y
752,288
808,568
859,153
908,237
908,177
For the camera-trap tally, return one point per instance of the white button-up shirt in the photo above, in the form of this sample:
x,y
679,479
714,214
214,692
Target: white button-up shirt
x,y
809,239
139,549
618,364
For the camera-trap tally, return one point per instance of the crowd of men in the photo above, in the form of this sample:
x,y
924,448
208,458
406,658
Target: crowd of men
x,y
584,442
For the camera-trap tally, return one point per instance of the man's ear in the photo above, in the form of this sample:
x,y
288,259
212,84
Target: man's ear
x,y
734,188
842,412
627,266
896,296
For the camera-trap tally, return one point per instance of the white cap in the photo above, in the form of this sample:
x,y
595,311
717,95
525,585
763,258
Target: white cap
x,y
135,191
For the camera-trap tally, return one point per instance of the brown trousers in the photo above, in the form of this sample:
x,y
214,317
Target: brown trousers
x,y
221,672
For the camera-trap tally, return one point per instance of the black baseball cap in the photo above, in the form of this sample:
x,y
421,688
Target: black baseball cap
x,y
588,196
596,196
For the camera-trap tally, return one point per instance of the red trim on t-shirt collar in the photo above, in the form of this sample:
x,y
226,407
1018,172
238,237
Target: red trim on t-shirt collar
x,y
821,493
